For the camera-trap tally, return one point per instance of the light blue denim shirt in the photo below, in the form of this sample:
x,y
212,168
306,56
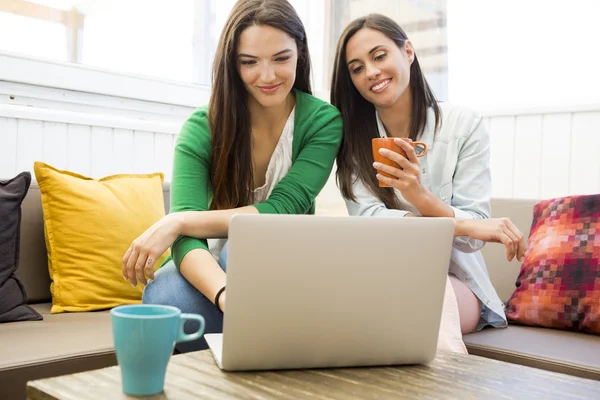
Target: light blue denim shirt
x,y
456,169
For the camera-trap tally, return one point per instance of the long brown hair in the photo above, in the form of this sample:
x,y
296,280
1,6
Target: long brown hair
x,y
229,119
360,124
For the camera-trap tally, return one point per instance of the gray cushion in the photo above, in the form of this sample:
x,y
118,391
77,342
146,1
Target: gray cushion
x,y
572,353
13,296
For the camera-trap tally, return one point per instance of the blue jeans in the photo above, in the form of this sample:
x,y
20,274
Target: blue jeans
x,y
169,287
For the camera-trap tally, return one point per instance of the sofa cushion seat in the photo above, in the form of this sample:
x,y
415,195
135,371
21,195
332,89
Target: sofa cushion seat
x,y
561,351
60,344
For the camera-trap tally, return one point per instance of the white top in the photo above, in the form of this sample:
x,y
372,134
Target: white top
x,y
456,169
279,165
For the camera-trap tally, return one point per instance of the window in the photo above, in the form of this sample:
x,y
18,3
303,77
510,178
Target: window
x,y
48,40
423,21
176,40
324,20
521,54
152,38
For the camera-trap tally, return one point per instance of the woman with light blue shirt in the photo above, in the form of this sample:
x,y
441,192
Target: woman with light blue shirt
x,y
380,91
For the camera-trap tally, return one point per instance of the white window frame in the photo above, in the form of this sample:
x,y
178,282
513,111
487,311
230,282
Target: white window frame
x,y
82,78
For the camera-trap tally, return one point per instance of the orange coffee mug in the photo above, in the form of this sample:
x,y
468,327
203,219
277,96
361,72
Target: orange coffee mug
x,y
388,143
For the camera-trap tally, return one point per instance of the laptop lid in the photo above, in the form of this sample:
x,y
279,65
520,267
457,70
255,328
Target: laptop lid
x,y
308,291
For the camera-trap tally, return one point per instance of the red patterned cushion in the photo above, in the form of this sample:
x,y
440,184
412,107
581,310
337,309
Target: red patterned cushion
x,y
559,282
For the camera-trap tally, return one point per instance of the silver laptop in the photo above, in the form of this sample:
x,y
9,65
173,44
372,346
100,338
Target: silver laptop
x,y
306,291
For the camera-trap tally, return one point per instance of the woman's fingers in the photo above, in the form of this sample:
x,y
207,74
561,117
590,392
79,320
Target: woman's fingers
x,y
514,243
521,244
388,181
392,155
405,145
125,261
150,265
405,165
400,180
388,169
510,246
139,267
399,159
131,267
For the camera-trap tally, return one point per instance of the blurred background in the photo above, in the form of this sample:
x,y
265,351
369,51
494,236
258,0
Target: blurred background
x,y
528,66
482,53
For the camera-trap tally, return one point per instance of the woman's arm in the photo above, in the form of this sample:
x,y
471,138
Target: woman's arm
x,y
367,204
471,182
191,223
294,194
471,185
208,224
500,230
190,193
471,191
190,185
201,269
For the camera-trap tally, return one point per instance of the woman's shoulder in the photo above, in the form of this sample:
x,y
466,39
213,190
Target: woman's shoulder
x,y
195,130
310,106
199,116
459,120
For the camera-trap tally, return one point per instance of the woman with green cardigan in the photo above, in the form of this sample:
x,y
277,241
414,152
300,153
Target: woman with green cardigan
x,y
263,144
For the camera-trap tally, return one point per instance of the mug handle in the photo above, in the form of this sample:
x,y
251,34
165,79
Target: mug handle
x,y
184,337
422,144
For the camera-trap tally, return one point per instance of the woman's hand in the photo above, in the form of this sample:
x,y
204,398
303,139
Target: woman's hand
x,y
498,230
143,252
407,178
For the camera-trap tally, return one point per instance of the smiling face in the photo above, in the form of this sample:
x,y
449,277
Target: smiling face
x,y
266,62
379,69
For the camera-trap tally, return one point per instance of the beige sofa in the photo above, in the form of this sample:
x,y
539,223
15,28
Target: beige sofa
x,y
72,342
560,351
60,343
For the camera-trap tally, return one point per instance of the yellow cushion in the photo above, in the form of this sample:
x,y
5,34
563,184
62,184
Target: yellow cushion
x,y
89,224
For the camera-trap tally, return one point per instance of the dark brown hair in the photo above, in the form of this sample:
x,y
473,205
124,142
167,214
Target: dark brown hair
x,y
360,124
230,155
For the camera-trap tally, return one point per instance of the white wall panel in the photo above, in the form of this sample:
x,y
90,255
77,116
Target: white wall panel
x,y
143,150
528,156
30,142
502,138
535,154
123,153
163,154
8,147
102,152
56,144
79,149
585,153
556,155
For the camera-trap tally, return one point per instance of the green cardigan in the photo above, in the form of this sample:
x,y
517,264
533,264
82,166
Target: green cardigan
x,y
317,137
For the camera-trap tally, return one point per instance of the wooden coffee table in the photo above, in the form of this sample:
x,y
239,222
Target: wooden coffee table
x,y
449,376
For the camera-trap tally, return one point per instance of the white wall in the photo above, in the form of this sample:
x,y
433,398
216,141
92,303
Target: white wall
x,y
540,154
84,143
535,154
519,53
546,153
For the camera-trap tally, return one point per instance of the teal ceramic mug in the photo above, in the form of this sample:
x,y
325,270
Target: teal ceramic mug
x,y
144,337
